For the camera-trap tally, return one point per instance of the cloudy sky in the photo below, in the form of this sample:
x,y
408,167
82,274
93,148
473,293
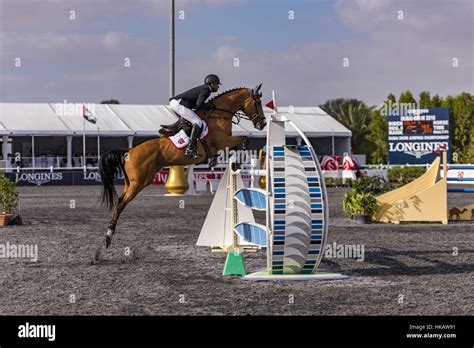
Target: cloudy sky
x,y
296,47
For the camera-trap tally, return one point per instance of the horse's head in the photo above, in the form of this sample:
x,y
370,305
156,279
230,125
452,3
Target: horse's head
x,y
252,107
239,100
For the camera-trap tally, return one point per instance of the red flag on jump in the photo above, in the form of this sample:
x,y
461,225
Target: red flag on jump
x,y
270,105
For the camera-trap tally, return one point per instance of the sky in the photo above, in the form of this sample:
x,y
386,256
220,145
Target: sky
x,y
308,51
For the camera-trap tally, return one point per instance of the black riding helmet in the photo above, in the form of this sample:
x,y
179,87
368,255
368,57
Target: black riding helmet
x,y
212,78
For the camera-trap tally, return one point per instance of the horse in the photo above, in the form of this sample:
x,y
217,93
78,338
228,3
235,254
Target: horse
x,y
140,163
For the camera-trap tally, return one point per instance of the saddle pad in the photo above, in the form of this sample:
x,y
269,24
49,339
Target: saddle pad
x,y
180,140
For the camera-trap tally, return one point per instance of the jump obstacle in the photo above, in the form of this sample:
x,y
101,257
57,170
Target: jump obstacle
x,y
426,198
295,206
461,179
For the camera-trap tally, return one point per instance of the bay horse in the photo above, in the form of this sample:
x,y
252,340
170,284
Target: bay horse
x,y
140,163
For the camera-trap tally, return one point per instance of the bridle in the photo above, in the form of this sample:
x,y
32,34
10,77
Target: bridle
x,y
239,114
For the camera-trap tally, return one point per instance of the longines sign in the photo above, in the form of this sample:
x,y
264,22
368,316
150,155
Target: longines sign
x,y
415,134
57,178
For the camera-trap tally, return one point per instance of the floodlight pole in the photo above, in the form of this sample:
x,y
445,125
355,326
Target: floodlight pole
x,y
171,48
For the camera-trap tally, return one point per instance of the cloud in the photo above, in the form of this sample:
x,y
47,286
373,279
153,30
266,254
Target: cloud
x,y
227,53
386,55
55,14
114,40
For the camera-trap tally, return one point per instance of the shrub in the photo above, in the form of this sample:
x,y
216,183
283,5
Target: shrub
x,y
371,184
8,195
359,203
404,175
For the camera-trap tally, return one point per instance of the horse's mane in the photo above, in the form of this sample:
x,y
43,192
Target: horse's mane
x,y
225,92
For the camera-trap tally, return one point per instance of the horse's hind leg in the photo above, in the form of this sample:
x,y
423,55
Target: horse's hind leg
x,y
118,208
128,194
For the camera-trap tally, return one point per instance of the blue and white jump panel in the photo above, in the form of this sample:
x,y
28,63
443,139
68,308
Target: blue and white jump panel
x,y
298,210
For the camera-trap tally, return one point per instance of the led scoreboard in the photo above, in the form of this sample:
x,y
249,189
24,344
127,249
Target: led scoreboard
x,y
415,134
417,127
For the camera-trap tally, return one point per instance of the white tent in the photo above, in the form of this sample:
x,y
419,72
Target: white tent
x,y
30,119
144,120
118,120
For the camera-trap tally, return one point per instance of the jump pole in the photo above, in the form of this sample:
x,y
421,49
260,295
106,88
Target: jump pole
x,y
234,264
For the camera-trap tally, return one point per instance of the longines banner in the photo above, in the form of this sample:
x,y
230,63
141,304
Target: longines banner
x,y
414,135
57,178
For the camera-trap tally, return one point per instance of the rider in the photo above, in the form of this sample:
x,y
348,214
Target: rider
x,y
185,103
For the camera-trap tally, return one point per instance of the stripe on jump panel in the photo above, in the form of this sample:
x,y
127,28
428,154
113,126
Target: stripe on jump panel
x,y
461,179
461,167
317,205
289,164
282,253
279,209
299,189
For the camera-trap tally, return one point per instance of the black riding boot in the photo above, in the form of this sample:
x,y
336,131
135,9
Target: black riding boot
x,y
192,149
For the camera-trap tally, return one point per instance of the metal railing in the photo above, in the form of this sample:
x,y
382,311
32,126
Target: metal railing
x,y
47,162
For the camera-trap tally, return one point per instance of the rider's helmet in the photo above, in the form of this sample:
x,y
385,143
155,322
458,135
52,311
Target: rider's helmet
x,y
212,78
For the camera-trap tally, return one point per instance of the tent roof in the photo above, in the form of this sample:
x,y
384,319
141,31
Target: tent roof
x,y
141,120
25,119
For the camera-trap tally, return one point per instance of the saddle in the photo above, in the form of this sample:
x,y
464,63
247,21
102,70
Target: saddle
x,y
168,130
172,129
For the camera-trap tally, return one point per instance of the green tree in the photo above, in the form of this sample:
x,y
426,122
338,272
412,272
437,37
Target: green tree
x,y
110,101
436,101
462,125
448,102
378,135
470,150
407,97
354,115
425,101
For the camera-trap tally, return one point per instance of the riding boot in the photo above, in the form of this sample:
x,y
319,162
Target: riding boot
x,y
192,149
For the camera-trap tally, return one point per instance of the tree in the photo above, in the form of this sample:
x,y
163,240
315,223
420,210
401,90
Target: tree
x,y
111,101
378,135
339,108
355,116
448,102
407,97
469,158
436,101
425,101
391,98
462,124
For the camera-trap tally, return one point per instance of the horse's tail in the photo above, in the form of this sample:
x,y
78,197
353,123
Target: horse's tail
x,y
110,165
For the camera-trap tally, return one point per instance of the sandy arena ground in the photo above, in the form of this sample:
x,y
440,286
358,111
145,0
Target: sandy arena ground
x,y
413,261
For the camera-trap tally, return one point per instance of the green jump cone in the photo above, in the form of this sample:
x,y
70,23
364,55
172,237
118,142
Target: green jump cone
x,y
234,264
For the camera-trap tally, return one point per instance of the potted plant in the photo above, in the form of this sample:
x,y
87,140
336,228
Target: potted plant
x,y
8,200
359,205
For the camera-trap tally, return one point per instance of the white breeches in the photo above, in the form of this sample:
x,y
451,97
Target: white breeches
x,y
186,113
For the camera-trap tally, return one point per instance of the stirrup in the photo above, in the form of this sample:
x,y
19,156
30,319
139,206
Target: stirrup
x,y
191,151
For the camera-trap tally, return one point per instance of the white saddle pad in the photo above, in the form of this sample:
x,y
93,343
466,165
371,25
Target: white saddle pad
x,y
181,139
